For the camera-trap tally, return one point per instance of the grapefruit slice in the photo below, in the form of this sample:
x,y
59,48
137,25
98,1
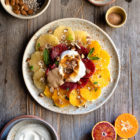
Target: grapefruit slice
x,y
104,131
126,125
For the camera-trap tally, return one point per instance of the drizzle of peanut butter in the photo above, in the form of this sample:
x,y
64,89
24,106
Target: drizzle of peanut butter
x,y
54,79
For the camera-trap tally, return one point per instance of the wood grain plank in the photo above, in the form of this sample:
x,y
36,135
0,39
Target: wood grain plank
x,y
12,93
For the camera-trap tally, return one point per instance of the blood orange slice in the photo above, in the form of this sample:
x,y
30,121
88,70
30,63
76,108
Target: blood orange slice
x,y
104,131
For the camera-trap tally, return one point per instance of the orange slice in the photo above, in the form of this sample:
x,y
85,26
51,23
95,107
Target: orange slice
x,y
126,125
104,131
96,46
103,61
101,78
76,99
60,98
47,92
89,92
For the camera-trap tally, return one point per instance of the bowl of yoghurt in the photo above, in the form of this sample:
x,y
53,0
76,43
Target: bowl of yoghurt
x,y
32,129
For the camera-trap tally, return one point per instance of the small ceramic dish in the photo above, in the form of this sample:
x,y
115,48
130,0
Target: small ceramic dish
x,y
40,11
101,2
12,127
117,10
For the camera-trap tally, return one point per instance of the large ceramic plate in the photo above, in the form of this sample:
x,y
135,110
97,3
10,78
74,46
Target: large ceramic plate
x,y
97,34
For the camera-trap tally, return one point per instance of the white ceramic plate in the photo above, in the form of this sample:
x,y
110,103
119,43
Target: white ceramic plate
x,y
101,2
97,34
8,8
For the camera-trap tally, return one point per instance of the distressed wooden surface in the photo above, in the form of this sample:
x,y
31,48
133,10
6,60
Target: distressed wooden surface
x,y
14,97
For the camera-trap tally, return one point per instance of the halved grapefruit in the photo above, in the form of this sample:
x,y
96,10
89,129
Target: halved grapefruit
x,y
104,131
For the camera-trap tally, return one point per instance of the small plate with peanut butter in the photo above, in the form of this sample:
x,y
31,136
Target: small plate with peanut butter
x,y
25,9
71,66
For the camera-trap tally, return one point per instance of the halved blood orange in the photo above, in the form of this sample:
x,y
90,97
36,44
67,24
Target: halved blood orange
x,y
104,131
126,125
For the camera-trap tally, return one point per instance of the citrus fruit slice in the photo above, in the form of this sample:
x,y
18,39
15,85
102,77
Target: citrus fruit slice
x,y
126,125
96,47
76,99
60,98
46,39
47,92
103,59
64,34
57,50
39,79
81,36
101,78
89,92
36,62
104,131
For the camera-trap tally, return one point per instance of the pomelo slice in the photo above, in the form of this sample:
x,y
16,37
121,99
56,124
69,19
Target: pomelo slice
x,y
126,125
104,131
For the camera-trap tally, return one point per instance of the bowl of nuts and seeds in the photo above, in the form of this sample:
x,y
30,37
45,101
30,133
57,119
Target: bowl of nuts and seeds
x,y
25,9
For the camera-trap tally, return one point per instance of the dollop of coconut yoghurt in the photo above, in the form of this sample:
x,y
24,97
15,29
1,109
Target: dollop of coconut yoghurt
x,y
33,132
71,66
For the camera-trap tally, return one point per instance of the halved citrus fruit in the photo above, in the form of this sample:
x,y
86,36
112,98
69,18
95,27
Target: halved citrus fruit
x,y
126,125
104,131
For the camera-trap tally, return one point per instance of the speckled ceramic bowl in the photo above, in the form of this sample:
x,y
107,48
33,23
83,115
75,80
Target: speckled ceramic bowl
x,y
14,125
97,34
101,2
8,8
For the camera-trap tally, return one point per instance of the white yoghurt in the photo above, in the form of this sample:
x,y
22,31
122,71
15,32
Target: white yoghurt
x,y
82,68
32,132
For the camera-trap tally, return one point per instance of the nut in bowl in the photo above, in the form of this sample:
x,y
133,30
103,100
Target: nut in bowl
x,y
25,9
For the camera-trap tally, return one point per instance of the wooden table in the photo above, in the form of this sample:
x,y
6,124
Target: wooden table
x,y
15,99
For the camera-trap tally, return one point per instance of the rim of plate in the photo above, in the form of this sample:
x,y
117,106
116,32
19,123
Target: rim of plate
x,y
22,117
118,76
97,4
26,17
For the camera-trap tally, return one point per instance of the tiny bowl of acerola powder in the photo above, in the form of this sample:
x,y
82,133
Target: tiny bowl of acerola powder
x,y
116,17
32,128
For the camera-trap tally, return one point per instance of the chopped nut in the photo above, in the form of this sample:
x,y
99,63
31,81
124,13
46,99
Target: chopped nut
x,y
58,93
78,97
13,2
16,7
89,88
23,12
21,2
26,8
30,12
28,59
50,31
41,94
16,12
88,71
65,30
58,58
7,2
77,46
79,82
82,56
51,89
73,48
17,2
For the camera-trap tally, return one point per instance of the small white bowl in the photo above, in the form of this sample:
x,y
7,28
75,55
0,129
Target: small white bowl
x,y
8,8
101,2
